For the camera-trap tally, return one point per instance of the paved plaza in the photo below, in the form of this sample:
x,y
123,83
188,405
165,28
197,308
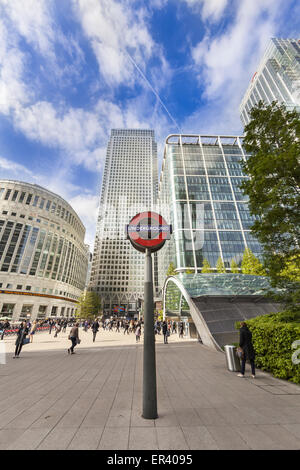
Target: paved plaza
x,y
93,399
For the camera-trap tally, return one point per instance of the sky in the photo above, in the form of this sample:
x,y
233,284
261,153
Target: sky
x,y
72,70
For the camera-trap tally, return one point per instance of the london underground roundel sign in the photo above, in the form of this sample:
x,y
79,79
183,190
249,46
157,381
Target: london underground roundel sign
x,y
148,230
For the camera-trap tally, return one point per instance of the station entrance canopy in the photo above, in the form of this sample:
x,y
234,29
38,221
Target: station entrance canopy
x,y
214,302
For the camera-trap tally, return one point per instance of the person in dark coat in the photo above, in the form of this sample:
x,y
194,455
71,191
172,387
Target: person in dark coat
x,y
5,327
165,332
21,335
95,329
247,347
74,337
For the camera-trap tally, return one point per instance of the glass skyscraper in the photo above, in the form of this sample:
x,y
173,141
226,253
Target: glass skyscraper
x,y
277,77
129,186
200,195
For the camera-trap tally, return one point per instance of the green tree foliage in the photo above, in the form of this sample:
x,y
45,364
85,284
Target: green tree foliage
x,y
90,305
220,266
171,270
189,271
272,337
272,137
206,267
251,265
234,267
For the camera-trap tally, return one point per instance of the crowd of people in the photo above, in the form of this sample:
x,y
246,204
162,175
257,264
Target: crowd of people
x,y
166,328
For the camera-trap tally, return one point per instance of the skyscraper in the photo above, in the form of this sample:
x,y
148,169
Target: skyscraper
x,y
200,195
277,77
129,186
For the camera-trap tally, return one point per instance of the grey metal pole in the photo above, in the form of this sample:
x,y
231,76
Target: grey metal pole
x,y
149,374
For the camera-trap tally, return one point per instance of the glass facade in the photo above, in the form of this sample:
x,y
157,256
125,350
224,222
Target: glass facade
x,y
277,77
129,186
40,251
199,193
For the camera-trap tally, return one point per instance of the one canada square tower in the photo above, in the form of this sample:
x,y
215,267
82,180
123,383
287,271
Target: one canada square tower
x,y
129,186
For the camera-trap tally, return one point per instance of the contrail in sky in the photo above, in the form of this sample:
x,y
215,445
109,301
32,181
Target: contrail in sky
x,y
154,91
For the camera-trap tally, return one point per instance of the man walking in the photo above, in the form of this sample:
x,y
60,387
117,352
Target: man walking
x,y
165,332
95,329
248,350
74,337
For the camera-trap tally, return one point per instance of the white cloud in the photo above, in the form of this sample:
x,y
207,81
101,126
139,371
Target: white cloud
x,y
116,30
8,167
32,19
226,63
210,9
86,206
13,92
231,56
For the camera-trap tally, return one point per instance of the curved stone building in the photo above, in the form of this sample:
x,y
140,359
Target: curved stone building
x,y
43,258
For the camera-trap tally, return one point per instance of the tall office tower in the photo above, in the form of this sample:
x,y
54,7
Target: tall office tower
x,y
129,186
277,77
200,195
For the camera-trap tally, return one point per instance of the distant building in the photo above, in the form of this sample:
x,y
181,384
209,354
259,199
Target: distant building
x,y
129,186
200,195
89,268
276,79
43,258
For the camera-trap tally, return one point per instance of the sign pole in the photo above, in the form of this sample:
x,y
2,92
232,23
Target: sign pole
x,y
147,232
149,377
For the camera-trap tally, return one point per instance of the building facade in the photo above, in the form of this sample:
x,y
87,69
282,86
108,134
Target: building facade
x,y
200,195
43,258
277,78
129,186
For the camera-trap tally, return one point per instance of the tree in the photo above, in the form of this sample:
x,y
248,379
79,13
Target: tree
x,y
272,138
171,270
220,266
251,265
90,304
206,267
189,271
234,267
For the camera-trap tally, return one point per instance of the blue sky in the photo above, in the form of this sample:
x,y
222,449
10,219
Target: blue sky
x,y
70,70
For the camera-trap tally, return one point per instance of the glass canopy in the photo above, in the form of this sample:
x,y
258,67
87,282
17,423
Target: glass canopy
x,y
223,284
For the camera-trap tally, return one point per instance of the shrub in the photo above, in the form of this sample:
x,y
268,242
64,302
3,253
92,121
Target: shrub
x,y
272,337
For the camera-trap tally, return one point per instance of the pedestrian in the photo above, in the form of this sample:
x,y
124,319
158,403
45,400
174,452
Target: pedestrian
x,y
95,329
5,326
65,324
174,327
21,335
32,331
126,328
74,337
181,329
248,349
58,328
165,332
138,332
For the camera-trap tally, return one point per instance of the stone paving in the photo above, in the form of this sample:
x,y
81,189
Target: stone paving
x,y
93,399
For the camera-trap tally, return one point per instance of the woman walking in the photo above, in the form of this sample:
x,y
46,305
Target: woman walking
x,y
33,330
248,350
138,332
74,337
21,335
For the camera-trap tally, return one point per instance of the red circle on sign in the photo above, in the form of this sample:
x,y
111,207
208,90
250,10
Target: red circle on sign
x,y
148,230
